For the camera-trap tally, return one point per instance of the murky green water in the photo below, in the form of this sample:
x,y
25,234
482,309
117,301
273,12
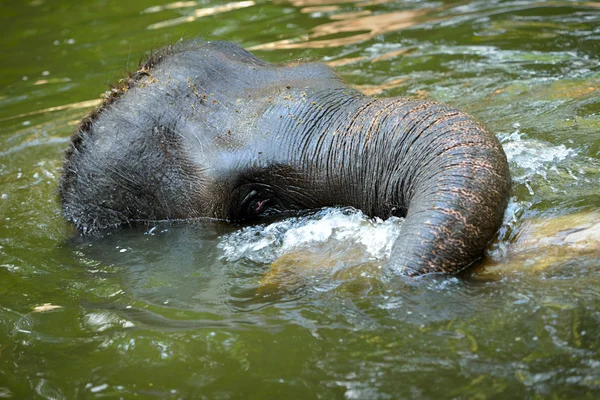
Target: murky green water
x,y
174,312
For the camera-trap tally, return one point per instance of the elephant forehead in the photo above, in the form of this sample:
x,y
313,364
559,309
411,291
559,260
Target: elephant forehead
x,y
219,68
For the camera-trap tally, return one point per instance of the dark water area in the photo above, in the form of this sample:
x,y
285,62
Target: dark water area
x,y
305,308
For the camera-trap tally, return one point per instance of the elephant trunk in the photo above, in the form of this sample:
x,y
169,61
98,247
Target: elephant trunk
x,y
460,190
435,166
455,192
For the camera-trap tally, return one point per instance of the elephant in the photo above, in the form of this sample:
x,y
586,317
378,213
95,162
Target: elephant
x,y
209,130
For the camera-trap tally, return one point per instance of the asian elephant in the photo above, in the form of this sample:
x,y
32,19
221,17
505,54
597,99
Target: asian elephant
x,y
208,130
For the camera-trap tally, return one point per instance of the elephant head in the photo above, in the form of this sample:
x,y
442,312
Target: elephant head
x,y
208,130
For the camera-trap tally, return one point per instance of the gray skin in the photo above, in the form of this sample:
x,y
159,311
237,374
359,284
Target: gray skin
x,y
207,130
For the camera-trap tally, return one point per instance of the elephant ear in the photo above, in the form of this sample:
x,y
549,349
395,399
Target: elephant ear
x,y
455,193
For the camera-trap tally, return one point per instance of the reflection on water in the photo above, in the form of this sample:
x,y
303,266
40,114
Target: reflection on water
x,y
304,308
198,13
372,25
171,6
72,106
312,3
373,90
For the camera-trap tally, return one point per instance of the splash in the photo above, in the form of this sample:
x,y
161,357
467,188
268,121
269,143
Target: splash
x,y
329,229
536,164
535,157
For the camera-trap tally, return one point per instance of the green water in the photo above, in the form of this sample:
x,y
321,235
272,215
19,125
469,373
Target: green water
x,y
163,313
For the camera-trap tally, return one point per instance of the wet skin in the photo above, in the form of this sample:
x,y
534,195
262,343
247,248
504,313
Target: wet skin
x,y
209,130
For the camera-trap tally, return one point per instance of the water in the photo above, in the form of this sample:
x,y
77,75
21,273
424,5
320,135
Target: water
x,y
302,308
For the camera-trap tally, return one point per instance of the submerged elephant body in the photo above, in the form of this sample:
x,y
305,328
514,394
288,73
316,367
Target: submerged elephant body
x,y
209,130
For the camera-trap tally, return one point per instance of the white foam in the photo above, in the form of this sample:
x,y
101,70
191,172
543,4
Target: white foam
x,y
337,227
534,157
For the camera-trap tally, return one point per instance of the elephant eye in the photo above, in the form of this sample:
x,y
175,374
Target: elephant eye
x,y
258,206
255,204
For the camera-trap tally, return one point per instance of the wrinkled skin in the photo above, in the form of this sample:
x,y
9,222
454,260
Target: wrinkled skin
x,y
209,130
